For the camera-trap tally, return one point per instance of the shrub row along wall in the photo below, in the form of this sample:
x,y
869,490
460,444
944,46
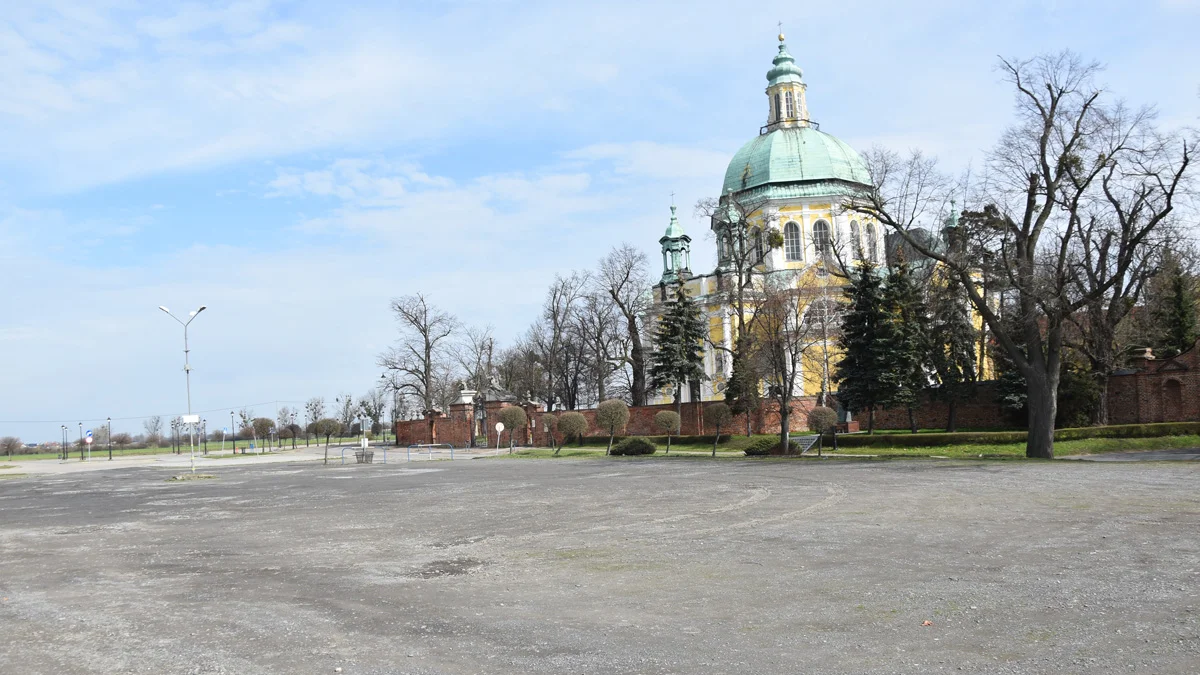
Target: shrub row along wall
x,y
456,426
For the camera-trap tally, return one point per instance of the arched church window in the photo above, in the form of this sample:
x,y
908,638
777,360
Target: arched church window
x,y
793,248
778,109
856,239
821,237
791,109
872,243
757,236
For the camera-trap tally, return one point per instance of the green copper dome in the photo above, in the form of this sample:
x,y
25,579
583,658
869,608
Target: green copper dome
x,y
784,68
674,230
793,155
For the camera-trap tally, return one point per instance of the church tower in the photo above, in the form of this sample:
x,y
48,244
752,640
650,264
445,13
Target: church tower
x,y
785,92
677,252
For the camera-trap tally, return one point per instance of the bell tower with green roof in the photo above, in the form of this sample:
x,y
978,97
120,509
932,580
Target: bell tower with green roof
x,y
677,252
785,92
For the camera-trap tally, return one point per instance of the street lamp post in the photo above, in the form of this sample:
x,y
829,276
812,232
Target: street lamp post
x,y
204,434
187,375
233,430
81,441
109,434
63,453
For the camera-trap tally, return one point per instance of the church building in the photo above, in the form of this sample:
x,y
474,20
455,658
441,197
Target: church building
x,y
782,200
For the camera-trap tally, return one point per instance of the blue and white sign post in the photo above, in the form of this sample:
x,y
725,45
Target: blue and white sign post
x,y
87,439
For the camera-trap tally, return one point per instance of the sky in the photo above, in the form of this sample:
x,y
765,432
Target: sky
x,y
294,165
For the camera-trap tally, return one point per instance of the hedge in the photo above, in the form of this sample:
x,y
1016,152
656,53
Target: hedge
x,y
660,440
903,440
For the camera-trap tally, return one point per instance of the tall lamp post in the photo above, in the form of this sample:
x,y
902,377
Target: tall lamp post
x,y
187,375
81,441
232,430
63,454
109,434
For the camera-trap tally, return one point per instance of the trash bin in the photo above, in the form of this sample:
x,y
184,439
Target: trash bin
x,y
365,456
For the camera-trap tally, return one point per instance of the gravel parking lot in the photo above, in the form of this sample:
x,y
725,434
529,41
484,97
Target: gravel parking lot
x,y
606,566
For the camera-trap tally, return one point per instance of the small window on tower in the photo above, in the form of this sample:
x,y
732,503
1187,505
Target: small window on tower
x,y
791,110
778,109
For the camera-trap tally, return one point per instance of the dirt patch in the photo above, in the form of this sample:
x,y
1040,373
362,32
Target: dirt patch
x,y
452,567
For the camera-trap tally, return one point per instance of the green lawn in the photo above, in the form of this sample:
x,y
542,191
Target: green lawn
x,y
734,446
1087,446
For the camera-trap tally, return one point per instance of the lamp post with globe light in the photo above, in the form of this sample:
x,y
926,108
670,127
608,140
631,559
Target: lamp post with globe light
x,y
187,374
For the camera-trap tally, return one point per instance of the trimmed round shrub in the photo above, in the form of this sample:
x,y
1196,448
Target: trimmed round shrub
x,y
634,445
513,417
667,420
612,415
820,419
572,425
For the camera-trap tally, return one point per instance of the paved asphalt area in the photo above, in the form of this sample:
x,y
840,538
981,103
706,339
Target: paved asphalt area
x,y
606,566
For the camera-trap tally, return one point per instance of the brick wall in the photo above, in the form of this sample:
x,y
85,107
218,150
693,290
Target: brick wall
x,y
1153,390
1156,390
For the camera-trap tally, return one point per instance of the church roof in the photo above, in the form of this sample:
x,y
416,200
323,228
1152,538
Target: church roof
x,y
792,155
674,230
785,68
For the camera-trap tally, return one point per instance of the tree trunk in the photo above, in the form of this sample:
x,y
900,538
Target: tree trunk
x,y
1100,413
637,363
610,440
952,415
871,421
785,427
749,431
912,419
668,443
716,440
1042,404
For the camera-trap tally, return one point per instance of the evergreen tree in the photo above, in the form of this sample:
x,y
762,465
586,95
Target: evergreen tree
x,y
742,393
678,356
864,374
908,345
1175,314
952,340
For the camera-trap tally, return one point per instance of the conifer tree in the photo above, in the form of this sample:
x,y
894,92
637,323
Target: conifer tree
x,y
908,344
678,356
742,392
864,374
952,340
1176,313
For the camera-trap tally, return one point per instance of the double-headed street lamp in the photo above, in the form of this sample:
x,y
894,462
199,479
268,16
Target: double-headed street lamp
x,y
190,420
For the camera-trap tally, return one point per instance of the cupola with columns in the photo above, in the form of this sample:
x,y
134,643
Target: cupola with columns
x,y
677,252
785,92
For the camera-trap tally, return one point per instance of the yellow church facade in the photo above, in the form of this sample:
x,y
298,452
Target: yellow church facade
x,y
781,212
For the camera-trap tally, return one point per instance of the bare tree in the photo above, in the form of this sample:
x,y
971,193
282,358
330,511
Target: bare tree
x,y
153,426
374,403
1074,172
287,423
551,335
596,328
314,409
474,352
346,409
624,276
785,336
10,445
423,348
